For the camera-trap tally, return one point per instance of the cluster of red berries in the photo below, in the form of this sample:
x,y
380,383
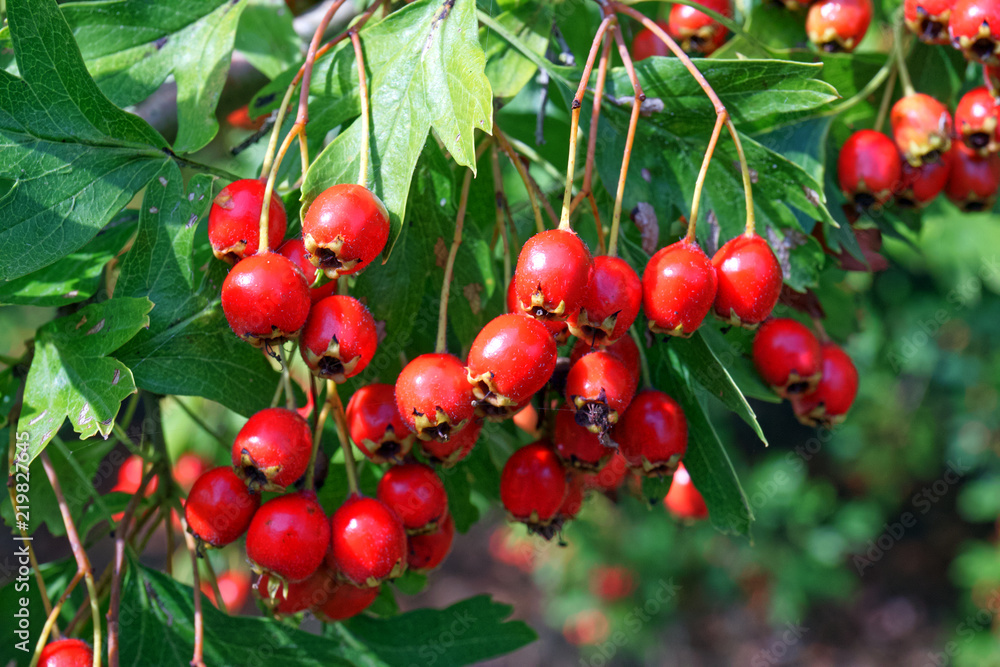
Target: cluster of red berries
x,y
695,31
972,26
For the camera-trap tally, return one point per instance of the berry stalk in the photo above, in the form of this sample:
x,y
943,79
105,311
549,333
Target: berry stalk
x,y
883,108
198,657
899,53
50,621
333,398
720,120
633,122
501,207
441,343
317,435
529,183
359,57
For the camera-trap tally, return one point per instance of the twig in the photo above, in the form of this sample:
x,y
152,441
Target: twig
x,y
441,344
720,120
630,137
197,659
333,399
501,206
586,190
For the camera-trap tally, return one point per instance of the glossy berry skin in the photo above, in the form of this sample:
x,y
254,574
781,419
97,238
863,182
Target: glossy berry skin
x,y
838,25
266,299
750,280
434,397
458,446
921,128
599,387
187,469
625,350
683,500
345,228
272,449
375,426
919,186
973,181
289,537
369,542
339,338
344,601
835,393
652,434
428,550
234,221
295,250
511,359
646,44
697,32
976,119
611,304
576,446
533,485
787,355
869,168
219,508
573,502
678,288
298,596
974,27
67,653
416,494
928,19
552,274
558,328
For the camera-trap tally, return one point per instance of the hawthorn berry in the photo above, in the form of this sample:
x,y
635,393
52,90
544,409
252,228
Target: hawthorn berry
x,y
130,477
369,542
219,508
458,446
599,387
921,128
234,220
869,168
928,19
652,434
787,356
295,250
67,653
974,27
552,274
344,601
611,304
558,328
610,476
272,450
428,550
829,402
576,446
234,587
375,426
573,502
339,338
533,486
624,349
187,469
511,359
678,288
416,494
696,31
683,500
920,185
344,229
750,280
838,25
434,397
976,119
266,299
973,180
298,596
288,537
646,44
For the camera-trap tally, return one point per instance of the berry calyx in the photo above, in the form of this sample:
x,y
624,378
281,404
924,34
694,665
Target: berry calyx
x,y
750,280
599,387
576,446
288,537
558,328
973,180
234,220
928,19
375,426
295,250
683,500
869,168
829,403
611,304
974,27
696,31
921,128
67,653
272,449
266,299
369,542
345,228
511,359
920,185
416,494
434,397
652,434
553,270
787,356
298,596
339,338
976,119
428,550
678,288
458,446
837,26
533,487
219,508
646,44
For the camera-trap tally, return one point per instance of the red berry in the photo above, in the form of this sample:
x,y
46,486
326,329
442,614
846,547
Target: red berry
x,y
625,350
458,446
533,486
219,508
266,299
345,228
577,446
369,542
838,25
611,304
652,434
434,396
234,220
610,476
683,500
234,587
511,359
273,449
928,19
749,281
974,27
573,502
696,31
67,653
130,476
678,288
599,387
834,395
339,339
288,537
344,601
298,596
375,426
869,168
416,494
920,185
976,121
552,274
612,582
921,128
428,550
646,44
187,469
295,250
558,328
973,181
787,356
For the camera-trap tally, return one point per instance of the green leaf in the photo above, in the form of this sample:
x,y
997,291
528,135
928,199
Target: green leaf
x,y
72,375
132,46
465,633
427,73
71,159
508,70
267,38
